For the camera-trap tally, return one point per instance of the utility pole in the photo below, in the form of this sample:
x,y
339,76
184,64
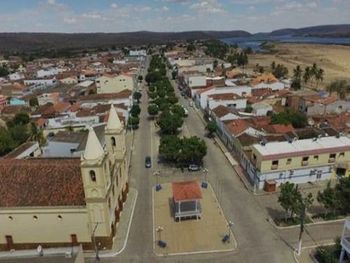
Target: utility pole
x,y
97,258
302,219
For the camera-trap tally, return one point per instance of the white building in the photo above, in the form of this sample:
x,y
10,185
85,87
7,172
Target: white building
x,y
16,76
40,82
261,108
44,73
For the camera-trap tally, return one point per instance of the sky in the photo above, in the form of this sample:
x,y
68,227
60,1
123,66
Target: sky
x,y
73,16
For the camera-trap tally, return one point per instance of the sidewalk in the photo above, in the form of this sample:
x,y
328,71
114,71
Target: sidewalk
x,y
119,242
121,238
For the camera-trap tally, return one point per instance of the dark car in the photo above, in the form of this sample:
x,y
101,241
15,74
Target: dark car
x,y
194,167
148,162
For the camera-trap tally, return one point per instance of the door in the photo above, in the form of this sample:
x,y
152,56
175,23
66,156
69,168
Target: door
x,y
9,242
74,239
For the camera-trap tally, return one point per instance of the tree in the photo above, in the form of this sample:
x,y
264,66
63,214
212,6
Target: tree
x,y
192,151
307,75
343,195
174,74
6,142
153,110
21,118
319,76
280,71
273,65
4,71
172,99
137,96
169,123
37,135
178,110
328,198
33,102
297,119
133,122
140,78
341,87
215,64
135,110
169,147
296,81
288,198
211,128
248,109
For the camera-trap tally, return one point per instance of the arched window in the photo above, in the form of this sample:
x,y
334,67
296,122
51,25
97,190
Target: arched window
x,y
93,176
113,141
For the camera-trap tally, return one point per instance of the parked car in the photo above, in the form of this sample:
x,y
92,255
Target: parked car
x,y
193,167
183,94
148,162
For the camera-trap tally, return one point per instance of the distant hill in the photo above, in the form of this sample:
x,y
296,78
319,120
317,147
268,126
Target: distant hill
x,y
321,31
38,41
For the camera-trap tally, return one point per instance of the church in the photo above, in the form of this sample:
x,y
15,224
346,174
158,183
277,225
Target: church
x,y
65,201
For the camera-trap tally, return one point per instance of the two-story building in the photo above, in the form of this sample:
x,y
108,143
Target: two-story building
x,y
300,161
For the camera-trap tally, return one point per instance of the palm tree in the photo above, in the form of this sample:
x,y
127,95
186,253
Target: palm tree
x,y
319,76
297,73
341,87
307,75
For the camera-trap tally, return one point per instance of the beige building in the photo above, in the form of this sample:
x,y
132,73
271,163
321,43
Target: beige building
x,y
114,83
65,201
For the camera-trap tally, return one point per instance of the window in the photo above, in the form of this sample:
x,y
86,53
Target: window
x,y
254,157
10,217
281,175
113,141
74,239
275,162
291,172
113,190
109,203
341,154
332,156
93,176
59,217
35,218
289,160
315,157
305,159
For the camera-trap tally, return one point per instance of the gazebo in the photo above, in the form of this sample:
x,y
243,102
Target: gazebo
x,y
186,197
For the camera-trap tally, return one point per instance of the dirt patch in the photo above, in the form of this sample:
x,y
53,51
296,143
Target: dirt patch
x,y
334,59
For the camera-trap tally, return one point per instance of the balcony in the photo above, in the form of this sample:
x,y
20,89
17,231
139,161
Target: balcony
x,y
274,167
331,160
304,163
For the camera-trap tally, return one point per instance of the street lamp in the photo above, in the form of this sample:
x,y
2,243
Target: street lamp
x,y
205,171
229,225
95,244
159,230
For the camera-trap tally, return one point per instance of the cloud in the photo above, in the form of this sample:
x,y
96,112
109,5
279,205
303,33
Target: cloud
x,y
207,6
114,5
69,20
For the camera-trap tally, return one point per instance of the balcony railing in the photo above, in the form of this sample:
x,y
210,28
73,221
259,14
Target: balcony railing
x,y
274,167
304,163
331,160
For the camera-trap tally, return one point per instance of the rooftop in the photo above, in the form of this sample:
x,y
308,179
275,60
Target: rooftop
x,y
41,182
303,147
189,190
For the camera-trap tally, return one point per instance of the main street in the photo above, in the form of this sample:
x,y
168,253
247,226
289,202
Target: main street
x,y
258,240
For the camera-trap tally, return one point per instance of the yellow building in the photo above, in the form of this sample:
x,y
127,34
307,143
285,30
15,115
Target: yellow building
x,y
114,83
65,201
300,161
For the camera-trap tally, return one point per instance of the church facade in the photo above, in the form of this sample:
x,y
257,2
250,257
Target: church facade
x,y
66,201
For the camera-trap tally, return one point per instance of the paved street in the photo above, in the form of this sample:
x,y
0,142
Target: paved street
x,y
258,240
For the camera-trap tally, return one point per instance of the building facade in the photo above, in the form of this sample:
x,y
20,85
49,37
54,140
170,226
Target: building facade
x,y
300,161
66,201
114,84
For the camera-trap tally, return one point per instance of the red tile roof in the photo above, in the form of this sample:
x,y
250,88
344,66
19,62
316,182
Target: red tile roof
x,y
279,128
221,111
120,95
183,191
225,96
236,127
41,182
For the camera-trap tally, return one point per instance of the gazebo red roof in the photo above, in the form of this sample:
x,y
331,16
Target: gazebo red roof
x,y
189,190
